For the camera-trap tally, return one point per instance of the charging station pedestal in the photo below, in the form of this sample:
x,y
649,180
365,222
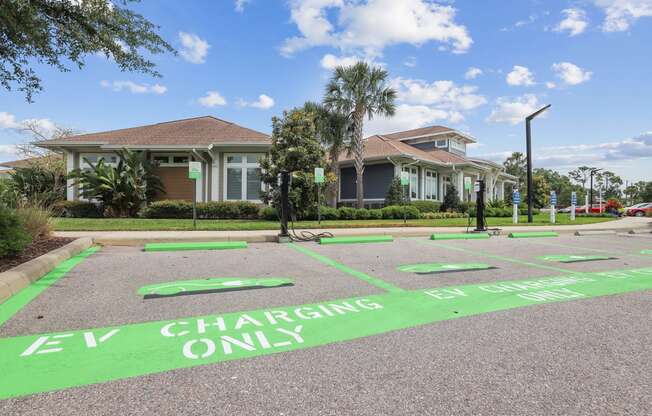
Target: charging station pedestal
x,y
284,180
479,189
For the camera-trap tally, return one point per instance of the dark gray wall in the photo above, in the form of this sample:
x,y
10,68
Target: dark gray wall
x,y
376,180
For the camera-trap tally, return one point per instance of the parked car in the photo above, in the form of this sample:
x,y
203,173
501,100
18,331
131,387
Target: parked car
x,y
640,210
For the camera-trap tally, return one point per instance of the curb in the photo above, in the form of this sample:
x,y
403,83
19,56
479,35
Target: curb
x,y
14,280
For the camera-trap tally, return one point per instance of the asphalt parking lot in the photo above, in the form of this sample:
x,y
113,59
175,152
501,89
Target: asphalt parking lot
x,y
353,335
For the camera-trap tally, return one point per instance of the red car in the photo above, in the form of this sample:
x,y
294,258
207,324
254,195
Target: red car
x,y
640,210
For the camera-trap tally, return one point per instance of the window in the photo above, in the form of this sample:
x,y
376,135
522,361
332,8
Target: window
x,y
441,144
109,159
430,191
243,177
414,181
171,160
458,146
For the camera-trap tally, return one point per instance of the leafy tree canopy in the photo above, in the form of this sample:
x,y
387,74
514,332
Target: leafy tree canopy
x,y
55,32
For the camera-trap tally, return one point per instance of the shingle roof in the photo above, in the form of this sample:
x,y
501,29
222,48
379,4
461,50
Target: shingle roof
x,y
198,131
423,131
24,163
381,146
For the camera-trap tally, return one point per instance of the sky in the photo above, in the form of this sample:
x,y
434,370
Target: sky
x,y
476,66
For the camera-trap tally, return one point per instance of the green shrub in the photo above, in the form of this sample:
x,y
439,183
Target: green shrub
x,y
440,215
361,214
451,200
497,203
396,212
227,210
523,211
168,209
329,213
77,209
375,214
268,213
346,213
13,236
426,206
395,193
466,207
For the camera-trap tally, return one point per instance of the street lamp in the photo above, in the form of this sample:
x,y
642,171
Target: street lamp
x,y
593,172
530,185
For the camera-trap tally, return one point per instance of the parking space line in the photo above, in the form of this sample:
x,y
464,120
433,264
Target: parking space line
x,y
17,302
346,269
597,250
498,257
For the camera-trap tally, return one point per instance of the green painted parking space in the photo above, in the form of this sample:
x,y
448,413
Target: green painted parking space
x,y
534,234
15,303
646,252
461,236
53,361
211,285
564,258
210,245
431,268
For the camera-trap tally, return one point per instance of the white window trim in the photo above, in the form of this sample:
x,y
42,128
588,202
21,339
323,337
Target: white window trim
x,y
414,174
84,165
244,166
170,164
434,181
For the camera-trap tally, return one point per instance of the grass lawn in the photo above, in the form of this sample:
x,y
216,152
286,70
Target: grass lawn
x,y
140,224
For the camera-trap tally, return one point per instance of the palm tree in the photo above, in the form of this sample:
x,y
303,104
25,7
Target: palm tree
x,y
333,131
358,91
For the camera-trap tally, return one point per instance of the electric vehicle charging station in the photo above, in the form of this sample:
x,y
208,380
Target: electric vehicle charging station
x,y
516,200
479,188
319,179
573,205
284,179
553,204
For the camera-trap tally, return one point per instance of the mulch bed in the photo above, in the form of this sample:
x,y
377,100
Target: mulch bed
x,y
37,248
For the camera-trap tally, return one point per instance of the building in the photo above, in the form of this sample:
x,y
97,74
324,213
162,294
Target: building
x,y
229,155
434,157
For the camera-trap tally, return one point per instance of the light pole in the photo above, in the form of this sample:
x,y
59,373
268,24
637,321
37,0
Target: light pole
x,y
593,172
528,136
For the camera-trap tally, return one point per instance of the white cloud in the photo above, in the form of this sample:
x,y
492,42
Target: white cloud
x,y
372,25
9,121
421,103
621,14
410,62
240,5
331,62
8,152
212,99
473,73
514,110
531,19
575,22
551,85
520,75
264,102
194,49
134,87
571,74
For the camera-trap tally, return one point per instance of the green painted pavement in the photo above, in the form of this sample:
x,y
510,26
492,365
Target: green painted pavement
x,y
221,284
534,234
462,236
15,303
561,258
357,240
646,251
46,362
210,245
346,269
427,268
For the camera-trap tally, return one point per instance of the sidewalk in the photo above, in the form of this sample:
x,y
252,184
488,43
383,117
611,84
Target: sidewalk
x,y
138,238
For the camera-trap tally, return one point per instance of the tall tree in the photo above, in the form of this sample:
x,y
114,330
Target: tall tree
x,y
581,175
516,164
333,130
54,32
360,91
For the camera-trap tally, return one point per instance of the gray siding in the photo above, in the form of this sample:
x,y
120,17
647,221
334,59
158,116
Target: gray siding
x,y
376,179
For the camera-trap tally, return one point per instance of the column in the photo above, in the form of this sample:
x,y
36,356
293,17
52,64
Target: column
x,y
70,165
215,176
199,186
460,184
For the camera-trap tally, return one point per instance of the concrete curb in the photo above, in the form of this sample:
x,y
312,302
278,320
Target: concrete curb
x,y
14,280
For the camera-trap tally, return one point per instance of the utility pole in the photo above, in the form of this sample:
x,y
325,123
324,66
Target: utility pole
x,y
528,137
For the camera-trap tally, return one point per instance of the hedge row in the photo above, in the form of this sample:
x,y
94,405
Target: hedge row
x,y
221,210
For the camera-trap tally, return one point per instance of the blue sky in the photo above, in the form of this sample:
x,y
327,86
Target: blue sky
x,y
476,66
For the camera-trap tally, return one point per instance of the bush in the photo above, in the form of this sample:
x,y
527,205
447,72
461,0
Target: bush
x,y
268,213
77,209
346,213
168,209
396,212
36,221
466,207
426,206
441,215
227,210
395,193
375,214
329,213
13,236
451,200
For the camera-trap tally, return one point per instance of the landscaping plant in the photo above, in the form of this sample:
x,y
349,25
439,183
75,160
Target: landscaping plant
x,y
13,236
